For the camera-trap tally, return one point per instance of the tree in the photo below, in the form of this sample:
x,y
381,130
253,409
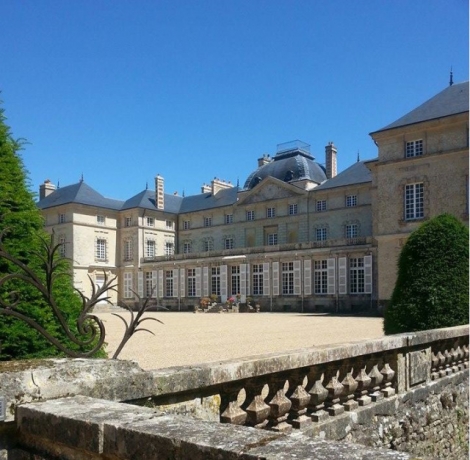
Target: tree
x,y
432,286
21,227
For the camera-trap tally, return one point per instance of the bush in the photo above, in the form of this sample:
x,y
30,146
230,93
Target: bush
x,y
431,290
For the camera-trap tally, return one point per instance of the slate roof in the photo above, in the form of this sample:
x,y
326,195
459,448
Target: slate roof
x,y
358,173
146,200
224,197
450,101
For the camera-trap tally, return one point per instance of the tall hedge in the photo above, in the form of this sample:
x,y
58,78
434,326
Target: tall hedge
x,y
432,287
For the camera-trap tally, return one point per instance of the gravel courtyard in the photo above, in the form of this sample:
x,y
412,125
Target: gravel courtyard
x,y
189,338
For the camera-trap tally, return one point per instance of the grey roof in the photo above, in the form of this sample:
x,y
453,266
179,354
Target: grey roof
x,y
146,200
358,173
451,101
80,193
224,197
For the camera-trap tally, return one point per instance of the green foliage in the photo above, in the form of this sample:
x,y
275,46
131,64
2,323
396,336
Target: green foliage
x,y
23,226
432,288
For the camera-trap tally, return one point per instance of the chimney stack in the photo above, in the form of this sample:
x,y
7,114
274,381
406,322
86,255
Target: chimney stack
x,y
206,188
159,192
331,165
46,189
264,160
218,184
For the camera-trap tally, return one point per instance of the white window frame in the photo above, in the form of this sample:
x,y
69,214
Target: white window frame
x,y
207,221
208,245
321,234
320,276
150,221
150,248
100,249
127,283
414,148
169,284
320,205
250,216
414,201
128,249
169,248
215,280
191,282
293,209
61,218
169,224
101,220
270,212
352,231
186,224
127,221
228,219
271,239
287,272
187,247
357,275
351,201
257,279
235,279
62,248
228,243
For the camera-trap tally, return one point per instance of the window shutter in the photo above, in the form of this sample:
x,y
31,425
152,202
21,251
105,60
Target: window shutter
x,y
154,284
160,284
266,278
198,282
248,285
368,274
275,278
331,274
140,283
243,280
307,277
176,282
205,281
182,283
296,277
342,275
223,283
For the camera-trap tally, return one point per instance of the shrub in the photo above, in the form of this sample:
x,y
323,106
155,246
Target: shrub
x,y
431,290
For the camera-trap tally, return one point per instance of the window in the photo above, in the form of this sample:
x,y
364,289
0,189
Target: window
x,y
414,201
320,276
191,282
270,212
208,245
150,248
356,275
187,247
351,200
321,205
271,239
149,286
292,209
250,215
169,224
128,250
235,279
150,222
320,234
215,281
100,249
100,220
351,231
257,279
207,221
414,148
228,243
168,283
128,294
186,224
128,221
288,278
228,218
61,218
169,248
62,251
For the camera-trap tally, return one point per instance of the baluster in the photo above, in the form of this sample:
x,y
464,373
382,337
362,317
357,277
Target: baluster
x,y
318,394
363,383
388,374
460,355
349,387
465,353
257,411
455,358
279,404
231,412
335,389
442,360
299,399
448,361
376,379
434,366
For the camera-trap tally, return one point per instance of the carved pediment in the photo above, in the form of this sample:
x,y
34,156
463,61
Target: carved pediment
x,y
270,191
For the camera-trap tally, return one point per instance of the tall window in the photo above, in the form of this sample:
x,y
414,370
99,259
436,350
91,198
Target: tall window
x,y
414,148
186,224
208,245
149,287
320,234
288,278
100,249
150,222
271,239
250,215
320,276
191,276
128,294
235,279
228,218
351,231
292,209
414,201
169,224
321,205
228,243
127,249
168,283
61,218
62,251
100,220
169,248
207,221
215,281
187,247
257,279
128,221
351,200
150,248
270,212
356,275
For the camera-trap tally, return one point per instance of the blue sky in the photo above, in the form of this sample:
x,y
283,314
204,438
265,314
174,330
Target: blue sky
x,y
121,90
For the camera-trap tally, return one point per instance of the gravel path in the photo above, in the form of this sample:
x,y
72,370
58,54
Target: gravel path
x,y
189,338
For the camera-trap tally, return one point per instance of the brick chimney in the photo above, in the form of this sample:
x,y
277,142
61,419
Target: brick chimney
x,y
218,184
159,192
206,188
264,160
330,160
46,189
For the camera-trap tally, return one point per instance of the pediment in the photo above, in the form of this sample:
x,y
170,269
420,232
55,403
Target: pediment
x,y
270,189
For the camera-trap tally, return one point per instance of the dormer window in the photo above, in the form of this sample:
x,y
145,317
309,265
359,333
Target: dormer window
x,y
414,148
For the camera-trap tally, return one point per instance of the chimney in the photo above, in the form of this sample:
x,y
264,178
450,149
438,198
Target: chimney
x,y
206,188
159,192
217,185
330,154
264,160
46,189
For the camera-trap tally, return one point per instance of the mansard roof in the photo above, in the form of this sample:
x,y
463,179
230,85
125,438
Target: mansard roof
x,y
358,173
224,197
451,101
79,193
146,200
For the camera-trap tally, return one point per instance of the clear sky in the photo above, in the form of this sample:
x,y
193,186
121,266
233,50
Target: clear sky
x,y
121,90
